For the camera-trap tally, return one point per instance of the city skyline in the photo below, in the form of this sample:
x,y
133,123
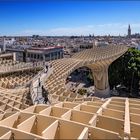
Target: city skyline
x,y
58,18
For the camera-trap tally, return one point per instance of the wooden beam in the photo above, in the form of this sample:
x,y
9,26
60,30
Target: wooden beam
x,y
127,119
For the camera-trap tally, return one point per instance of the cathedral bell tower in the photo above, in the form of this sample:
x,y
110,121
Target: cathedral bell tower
x,y
129,31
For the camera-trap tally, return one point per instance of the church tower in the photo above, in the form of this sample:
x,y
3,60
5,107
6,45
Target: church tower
x,y
129,31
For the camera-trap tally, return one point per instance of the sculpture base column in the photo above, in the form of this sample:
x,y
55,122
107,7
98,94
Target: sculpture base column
x,y
102,93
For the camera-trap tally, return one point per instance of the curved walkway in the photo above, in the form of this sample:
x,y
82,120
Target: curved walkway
x,y
36,86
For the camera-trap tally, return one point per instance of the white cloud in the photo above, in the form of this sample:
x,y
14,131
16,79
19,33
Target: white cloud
x,y
137,25
33,31
71,31
100,29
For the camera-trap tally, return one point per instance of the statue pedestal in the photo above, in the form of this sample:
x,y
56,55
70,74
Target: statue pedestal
x,y
102,93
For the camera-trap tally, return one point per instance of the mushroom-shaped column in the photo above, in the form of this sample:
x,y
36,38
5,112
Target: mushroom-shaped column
x,y
101,82
100,74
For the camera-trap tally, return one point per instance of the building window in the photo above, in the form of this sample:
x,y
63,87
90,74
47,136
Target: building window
x,y
38,56
35,56
28,54
52,55
41,57
59,55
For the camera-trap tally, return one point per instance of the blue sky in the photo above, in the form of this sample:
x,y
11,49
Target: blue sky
x,y
68,17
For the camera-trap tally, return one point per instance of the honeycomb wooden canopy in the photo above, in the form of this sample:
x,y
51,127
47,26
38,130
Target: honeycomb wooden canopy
x,y
70,116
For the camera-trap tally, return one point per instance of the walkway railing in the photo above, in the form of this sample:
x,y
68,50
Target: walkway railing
x,y
36,89
20,66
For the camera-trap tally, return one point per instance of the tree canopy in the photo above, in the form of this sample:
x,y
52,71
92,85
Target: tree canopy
x,y
125,71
